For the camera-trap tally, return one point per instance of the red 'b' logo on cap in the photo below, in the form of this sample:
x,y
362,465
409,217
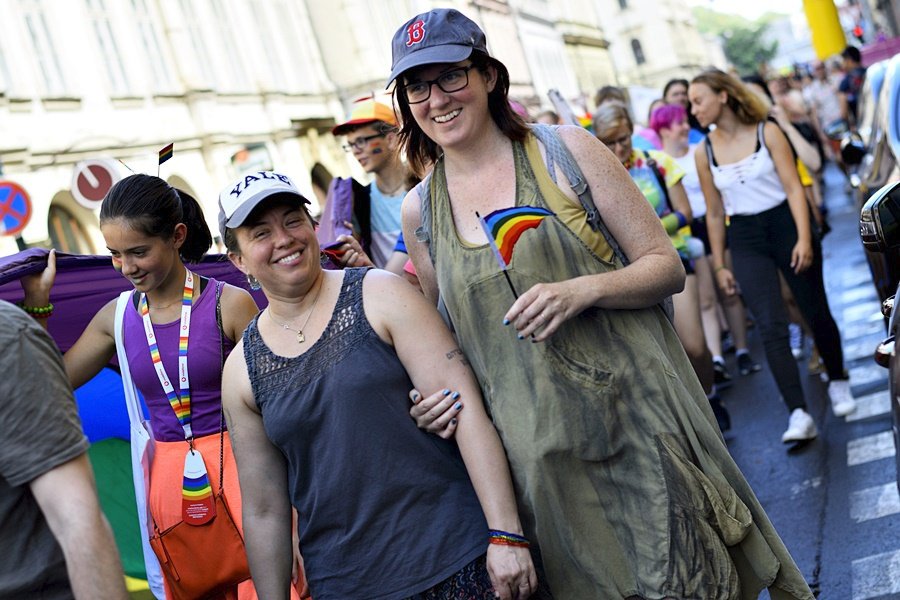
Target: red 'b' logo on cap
x,y
415,33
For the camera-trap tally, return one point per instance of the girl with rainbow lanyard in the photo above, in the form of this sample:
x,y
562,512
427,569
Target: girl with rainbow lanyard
x,y
151,229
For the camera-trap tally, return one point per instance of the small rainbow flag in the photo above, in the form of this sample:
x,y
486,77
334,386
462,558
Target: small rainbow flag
x,y
166,153
504,227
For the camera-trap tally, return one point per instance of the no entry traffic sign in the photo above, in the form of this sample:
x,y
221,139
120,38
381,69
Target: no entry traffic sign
x,y
15,208
92,180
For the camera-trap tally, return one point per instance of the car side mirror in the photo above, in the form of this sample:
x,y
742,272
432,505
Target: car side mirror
x,y
879,219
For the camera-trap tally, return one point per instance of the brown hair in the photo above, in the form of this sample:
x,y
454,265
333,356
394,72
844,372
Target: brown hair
x,y
747,107
610,116
421,151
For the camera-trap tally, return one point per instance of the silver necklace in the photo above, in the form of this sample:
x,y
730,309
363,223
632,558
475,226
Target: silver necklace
x,y
300,337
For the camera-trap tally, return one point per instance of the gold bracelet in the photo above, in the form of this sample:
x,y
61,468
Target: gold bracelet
x,y
719,268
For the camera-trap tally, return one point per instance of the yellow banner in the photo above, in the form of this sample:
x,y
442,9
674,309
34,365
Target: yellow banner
x,y
827,35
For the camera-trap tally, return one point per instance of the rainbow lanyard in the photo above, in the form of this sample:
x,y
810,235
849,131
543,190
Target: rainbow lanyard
x,y
180,403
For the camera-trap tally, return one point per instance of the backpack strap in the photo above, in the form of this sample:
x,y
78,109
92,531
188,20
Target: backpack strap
x,y
423,231
560,155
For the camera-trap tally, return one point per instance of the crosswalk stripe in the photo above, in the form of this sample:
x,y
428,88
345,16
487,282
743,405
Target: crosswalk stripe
x,y
869,448
874,502
857,294
877,575
873,405
867,374
865,311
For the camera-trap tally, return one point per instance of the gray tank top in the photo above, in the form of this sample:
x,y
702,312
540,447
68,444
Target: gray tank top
x,y
386,510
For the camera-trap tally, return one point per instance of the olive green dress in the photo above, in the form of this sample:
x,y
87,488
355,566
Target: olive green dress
x,y
621,474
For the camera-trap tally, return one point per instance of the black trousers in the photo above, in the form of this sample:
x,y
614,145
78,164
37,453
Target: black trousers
x,y
761,245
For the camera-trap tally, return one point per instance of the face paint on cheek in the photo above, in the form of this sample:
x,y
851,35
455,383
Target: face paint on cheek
x,y
376,148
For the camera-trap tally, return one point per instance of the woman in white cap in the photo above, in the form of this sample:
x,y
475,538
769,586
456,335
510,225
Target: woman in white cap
x,y
623,479
316,399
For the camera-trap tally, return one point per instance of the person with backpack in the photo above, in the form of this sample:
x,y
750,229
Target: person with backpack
x,y
659,177
748,172
371,137
610,439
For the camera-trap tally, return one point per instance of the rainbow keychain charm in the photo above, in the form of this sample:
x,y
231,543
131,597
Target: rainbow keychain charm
x,y
197,504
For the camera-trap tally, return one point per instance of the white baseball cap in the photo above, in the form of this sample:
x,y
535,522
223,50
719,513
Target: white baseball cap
x,y
238,200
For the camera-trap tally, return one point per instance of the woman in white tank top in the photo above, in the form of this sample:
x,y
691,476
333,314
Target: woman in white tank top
x,y
747,172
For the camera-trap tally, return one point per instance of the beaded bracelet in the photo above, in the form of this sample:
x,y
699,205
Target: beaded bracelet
x,y
503,538
38,312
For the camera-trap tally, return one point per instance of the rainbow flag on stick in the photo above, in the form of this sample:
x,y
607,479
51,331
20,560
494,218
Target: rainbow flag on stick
x,y
166,153
503,229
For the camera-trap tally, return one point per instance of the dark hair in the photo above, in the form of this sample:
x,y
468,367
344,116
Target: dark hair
x,y
154,207
421,150
853,53
741,100
321,177
757,79
672,82
610,93
283,198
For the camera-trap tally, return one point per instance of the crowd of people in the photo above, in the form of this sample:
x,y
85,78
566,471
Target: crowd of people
x,y
549,426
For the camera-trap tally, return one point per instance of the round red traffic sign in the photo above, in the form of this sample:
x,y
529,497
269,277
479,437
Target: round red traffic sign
x,y
92,180
15,208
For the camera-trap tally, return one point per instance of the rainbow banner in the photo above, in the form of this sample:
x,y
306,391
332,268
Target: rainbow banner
x,y
166,153
504,227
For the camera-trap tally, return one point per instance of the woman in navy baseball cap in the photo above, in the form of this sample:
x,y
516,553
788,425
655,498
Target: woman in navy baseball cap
x,y
622,476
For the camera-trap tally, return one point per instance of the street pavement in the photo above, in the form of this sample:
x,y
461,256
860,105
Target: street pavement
x,y
834,501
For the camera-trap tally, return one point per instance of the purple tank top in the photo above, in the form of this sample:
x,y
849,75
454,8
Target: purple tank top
x,y
204,367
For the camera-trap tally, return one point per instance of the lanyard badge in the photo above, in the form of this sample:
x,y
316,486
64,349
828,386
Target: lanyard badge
x,y
197,504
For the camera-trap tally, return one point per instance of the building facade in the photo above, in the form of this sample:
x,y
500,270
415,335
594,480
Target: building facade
x,y
239,85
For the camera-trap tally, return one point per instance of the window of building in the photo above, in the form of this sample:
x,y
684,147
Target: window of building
x,y
43,49
230,46
202,57
109,50
276,70
151,47
67,233
638,52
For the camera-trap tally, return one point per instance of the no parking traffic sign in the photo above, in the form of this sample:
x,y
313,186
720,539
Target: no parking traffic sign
x,y
91,181
15,208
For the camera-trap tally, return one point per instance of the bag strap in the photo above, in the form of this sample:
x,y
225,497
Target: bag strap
x,y
709,153
135,414
559,154
654,166
221,369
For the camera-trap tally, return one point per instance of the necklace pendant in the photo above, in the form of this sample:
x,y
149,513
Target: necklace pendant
x,y
300,337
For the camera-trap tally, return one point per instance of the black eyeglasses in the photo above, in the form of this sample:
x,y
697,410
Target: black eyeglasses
x,y
449,81
360,142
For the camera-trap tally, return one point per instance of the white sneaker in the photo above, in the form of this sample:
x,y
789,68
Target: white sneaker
x,y
800,427
842,402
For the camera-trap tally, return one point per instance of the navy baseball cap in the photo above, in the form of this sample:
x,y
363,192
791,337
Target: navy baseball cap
x,y
442,35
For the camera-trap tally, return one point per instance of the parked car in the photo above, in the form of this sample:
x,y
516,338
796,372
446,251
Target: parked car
x,y
879,228
879,134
